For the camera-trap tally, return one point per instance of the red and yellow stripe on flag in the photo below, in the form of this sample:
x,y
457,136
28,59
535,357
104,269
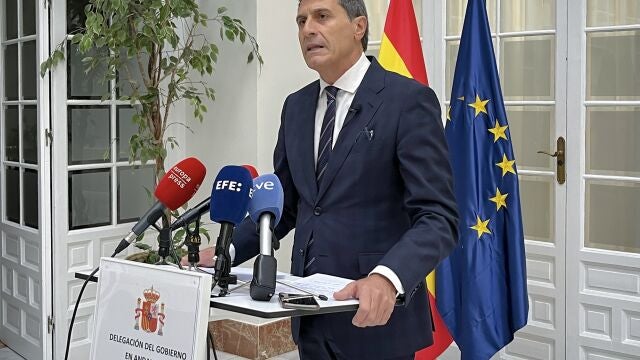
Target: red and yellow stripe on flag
x,y
401,52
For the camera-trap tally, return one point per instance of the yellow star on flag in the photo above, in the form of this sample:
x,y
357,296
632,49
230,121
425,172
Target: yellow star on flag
x,y
479,105
481,227
499,199
449,113
461,98
499,132
506,165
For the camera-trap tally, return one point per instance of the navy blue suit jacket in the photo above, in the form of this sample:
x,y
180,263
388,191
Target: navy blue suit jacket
x,y
386,199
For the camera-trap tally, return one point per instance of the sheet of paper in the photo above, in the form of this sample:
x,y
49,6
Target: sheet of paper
x,y
320,284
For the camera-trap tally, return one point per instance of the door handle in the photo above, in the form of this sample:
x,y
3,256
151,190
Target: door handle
x,y
560,160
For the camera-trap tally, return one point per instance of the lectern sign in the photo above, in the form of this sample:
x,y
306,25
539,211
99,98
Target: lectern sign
x,y
145,312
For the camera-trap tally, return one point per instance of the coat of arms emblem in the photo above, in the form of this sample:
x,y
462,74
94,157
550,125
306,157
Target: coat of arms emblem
x,y
150,317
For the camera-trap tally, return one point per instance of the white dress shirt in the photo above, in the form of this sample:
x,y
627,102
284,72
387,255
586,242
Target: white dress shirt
x,y
348,85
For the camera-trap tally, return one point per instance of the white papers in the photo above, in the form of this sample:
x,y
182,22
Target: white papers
x,y
239,299
320,284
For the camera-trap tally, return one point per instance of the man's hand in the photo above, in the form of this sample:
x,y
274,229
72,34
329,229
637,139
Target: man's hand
x,y
377,297
206,258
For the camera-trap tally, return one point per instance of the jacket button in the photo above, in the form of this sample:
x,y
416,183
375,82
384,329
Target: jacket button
x,y
301,251
317,211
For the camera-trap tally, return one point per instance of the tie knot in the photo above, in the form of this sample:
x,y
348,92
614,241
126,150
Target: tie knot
x,y
332,92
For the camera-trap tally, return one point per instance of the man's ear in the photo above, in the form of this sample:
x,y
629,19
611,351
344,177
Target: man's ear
x,y
360,27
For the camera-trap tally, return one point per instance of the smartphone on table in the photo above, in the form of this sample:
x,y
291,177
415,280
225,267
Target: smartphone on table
x,y
298,301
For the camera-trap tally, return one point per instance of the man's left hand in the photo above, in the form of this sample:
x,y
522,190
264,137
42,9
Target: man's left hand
x,y
377,297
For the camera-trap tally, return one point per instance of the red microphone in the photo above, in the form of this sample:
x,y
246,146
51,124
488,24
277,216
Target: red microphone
x,y
252,170
180,183
175,188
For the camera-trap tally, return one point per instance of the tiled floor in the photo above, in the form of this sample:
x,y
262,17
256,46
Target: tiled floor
x,y
7,354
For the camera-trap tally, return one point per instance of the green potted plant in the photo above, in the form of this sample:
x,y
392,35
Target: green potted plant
x,y
160,48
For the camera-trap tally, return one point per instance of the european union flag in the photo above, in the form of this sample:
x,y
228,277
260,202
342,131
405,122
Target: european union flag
x,y
482,285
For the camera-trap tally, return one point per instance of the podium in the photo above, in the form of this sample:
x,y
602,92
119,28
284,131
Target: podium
x,y
239,300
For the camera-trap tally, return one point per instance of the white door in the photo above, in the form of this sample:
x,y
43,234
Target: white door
x,y
603,222
25,225
97,192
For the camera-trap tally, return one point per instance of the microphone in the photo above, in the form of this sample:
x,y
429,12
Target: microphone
x,y
192,214
175,188
252,171
229,202
203,207
265,209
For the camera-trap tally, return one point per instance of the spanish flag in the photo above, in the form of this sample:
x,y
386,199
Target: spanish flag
x,y
401,52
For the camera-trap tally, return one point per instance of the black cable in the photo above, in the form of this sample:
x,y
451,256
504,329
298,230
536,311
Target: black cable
x,y
213,344
75,310
207,347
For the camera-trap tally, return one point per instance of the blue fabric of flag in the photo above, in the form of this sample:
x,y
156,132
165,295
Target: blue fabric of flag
x,y
482,286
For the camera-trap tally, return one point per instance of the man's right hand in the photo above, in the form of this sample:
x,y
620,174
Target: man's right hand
x,y
206,258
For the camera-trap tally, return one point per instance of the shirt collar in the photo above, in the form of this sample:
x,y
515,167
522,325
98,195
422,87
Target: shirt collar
x,y
351,79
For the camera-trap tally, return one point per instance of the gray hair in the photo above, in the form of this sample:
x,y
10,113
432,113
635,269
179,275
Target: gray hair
x,y
355,8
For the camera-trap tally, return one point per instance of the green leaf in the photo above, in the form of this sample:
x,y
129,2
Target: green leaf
x,y
85,43
76,38
230,35
250,57
179,234
46,65
206,234
222,9
142,246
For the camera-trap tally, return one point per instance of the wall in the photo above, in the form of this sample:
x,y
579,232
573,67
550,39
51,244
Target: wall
x,y
284,72
227,136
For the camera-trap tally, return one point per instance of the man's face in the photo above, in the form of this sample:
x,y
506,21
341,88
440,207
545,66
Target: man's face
x,y
330,42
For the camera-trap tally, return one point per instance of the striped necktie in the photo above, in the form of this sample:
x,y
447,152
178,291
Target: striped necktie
x,y
324,152
326,133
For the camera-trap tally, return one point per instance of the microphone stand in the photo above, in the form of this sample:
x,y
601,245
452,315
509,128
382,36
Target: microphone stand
x,y
193,242
166,246
222,276
263,284
164,243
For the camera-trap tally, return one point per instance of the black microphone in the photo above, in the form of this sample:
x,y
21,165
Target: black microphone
x,y
192,214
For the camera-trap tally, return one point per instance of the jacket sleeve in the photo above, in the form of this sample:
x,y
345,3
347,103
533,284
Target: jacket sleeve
x,y
246,238
429,200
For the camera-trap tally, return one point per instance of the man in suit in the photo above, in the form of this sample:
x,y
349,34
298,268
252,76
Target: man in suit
x,y
363,162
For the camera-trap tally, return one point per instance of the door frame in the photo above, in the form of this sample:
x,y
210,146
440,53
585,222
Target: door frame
x,y
44,176
46,188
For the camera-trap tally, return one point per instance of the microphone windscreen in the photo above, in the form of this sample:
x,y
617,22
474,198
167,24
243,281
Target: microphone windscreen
x,y
252,171
230,195
180,183
268,197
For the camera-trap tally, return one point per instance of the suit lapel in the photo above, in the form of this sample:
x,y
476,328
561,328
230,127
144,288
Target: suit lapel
x,y
368,100
304,140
